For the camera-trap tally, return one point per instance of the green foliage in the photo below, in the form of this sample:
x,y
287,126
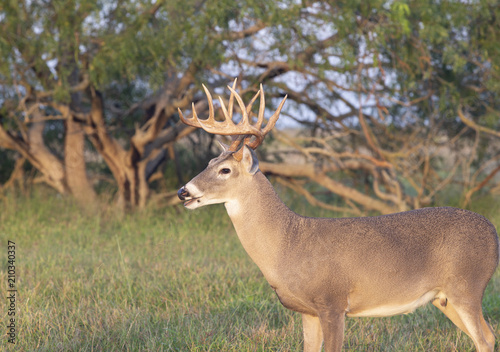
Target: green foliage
x,y
452,51
181,33
399,14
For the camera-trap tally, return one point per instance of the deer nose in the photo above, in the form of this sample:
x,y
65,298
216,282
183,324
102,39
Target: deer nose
x,y
182,193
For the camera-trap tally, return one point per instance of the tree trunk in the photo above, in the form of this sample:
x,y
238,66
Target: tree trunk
x,y
74,160
32,147
121,163
42,158
132,168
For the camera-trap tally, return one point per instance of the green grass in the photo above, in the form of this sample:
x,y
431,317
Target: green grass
x,y
169,280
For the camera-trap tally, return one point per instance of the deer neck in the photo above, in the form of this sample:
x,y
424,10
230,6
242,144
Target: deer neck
x,y
261,220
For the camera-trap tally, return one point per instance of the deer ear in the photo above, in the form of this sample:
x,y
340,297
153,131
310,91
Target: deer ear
x,y
249,160
223,146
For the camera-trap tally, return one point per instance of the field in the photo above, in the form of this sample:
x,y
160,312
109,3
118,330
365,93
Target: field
x,y
170,280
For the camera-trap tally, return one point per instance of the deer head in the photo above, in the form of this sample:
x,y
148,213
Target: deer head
x,y
227,173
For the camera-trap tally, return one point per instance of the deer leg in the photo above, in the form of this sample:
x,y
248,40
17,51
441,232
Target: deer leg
x,y
488,331
332,324
479,331
449,310
313,335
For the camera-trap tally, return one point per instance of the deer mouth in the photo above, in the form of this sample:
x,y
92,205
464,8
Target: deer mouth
x,y
191,201
186,196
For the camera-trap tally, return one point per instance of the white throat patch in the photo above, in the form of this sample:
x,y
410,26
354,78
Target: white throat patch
x,y
233,207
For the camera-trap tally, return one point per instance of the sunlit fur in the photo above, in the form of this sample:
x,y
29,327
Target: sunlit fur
x,y
368,266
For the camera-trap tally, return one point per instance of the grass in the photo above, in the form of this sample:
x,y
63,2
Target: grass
x,y
170,280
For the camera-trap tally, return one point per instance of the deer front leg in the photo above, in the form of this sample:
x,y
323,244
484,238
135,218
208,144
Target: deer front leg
x,y
332,324
313,335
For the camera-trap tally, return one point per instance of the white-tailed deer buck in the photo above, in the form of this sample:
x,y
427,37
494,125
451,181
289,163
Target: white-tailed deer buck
x,y
327,269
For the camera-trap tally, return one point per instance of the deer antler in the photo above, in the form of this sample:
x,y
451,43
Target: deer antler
x,y
244,130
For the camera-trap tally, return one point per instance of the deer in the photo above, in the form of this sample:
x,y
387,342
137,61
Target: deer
x,y
328,269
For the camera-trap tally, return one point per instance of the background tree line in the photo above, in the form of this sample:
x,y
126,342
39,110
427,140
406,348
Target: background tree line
x,y
390,103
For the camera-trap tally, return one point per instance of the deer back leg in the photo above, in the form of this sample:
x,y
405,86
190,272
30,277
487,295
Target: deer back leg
x,y
488,331
473,320
449,310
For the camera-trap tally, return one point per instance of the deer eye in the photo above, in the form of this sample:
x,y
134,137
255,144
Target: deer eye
x,y
225,171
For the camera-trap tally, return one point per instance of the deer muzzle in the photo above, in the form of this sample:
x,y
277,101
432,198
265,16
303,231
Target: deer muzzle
x,y
183,193
187,197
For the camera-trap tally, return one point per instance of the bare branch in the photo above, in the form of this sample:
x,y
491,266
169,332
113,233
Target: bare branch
x,y
474,125
311,172
296,187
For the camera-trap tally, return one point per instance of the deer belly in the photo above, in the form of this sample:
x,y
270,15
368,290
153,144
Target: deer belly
x,y
390,308
293,302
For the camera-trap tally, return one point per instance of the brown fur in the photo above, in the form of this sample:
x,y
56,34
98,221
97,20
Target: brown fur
x,y
369,266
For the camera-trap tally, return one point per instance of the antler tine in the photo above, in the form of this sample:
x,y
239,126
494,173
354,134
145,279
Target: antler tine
x,y
244,114
237,140
260,118
275,117
193,121
249,106
244,130
269,126
211,115
231,99
228,118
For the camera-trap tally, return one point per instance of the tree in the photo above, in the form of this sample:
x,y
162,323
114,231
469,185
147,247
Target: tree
x,y
61,58
375,86
381,84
